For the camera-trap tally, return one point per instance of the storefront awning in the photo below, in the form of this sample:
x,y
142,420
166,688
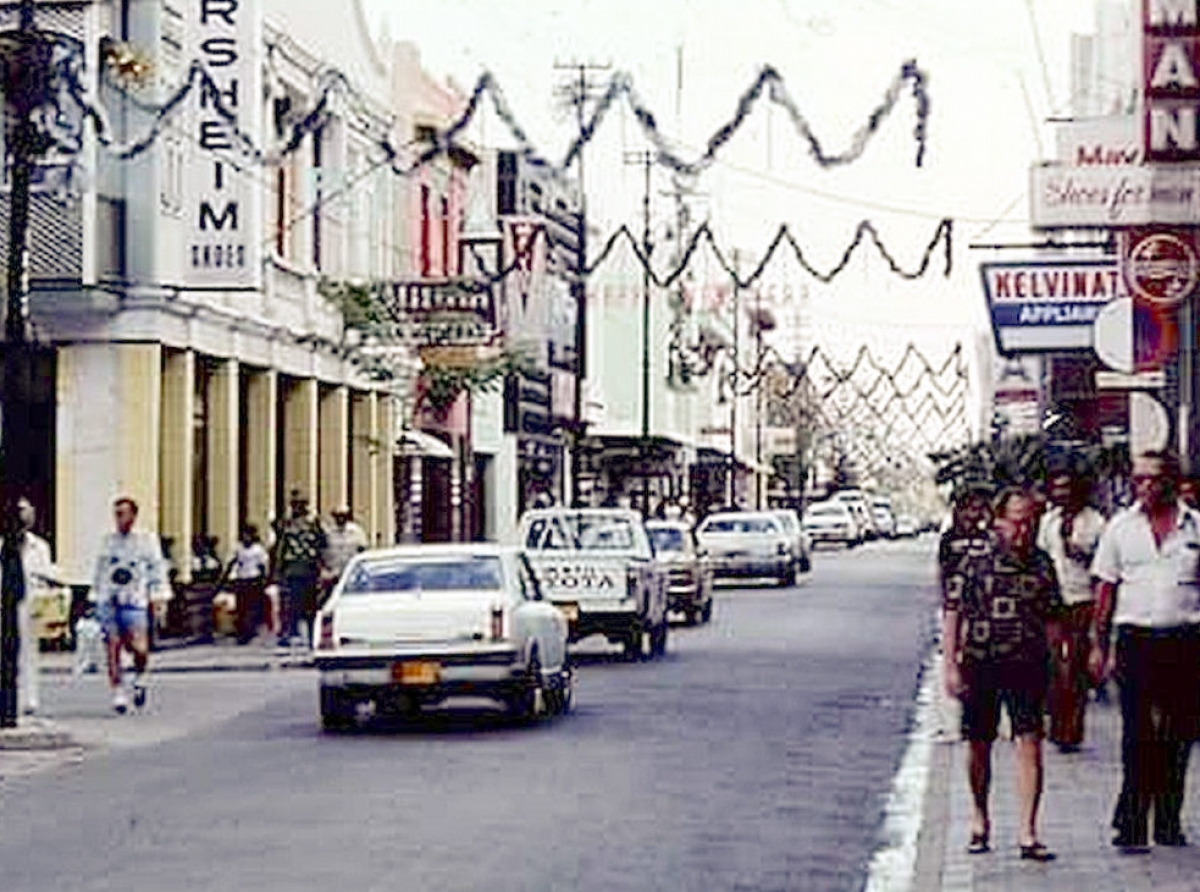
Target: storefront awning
x,y
422,445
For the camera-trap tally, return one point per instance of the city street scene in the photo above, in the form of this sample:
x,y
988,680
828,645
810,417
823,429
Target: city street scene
x,y
571,445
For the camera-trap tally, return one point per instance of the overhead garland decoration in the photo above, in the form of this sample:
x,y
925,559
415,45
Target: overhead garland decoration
x,y
444,378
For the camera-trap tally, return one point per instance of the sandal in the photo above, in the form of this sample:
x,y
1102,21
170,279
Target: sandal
x,y
978,844
1037,852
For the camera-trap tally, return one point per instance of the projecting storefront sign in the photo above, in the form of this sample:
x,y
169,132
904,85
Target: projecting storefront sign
x,y
223,232
1170,81
1045,305
1112,196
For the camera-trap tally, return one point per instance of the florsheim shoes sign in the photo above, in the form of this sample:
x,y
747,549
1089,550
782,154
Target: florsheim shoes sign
x,y
223,228
1048,305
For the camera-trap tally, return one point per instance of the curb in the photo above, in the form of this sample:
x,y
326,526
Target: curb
x,y
264,665
36,734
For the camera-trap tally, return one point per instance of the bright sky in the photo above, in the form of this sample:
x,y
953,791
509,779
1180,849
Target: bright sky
x,y
990,90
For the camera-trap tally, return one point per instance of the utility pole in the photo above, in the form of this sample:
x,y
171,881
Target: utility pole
x,y
646,161
25,71
579,90
758,399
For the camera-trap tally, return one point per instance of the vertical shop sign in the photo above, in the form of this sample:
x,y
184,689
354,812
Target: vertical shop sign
x,y
1171,80
223,247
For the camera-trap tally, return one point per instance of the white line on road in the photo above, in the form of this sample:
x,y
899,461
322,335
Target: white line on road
x,y
893,866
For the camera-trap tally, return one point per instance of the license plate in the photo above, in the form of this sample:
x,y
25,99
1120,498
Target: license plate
x,y
570,611
416,672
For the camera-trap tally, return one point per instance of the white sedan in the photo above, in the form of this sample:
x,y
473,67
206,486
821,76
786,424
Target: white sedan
x,y
413,626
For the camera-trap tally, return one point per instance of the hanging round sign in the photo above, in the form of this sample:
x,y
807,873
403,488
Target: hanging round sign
x,y
1161,267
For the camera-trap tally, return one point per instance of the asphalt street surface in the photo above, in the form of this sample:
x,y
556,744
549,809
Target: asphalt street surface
x,y
757,756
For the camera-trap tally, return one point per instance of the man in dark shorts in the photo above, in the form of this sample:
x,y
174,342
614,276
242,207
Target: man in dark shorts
x,y
996,607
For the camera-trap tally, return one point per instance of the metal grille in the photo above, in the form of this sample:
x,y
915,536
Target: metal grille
x,y
55,237
65,18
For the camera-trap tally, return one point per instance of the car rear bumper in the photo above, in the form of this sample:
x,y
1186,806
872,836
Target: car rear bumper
x,y
751,565
456,670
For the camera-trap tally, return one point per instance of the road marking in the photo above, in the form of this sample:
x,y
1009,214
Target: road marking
x,y
893,866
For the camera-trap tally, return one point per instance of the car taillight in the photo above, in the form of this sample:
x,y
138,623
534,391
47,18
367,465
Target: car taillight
x,y
325,642
497,627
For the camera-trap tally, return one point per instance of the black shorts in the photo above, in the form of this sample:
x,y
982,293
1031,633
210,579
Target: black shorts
x,y
1020,687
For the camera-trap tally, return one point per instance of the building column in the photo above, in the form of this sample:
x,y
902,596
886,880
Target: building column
x,y
385,469
261,458
334,484
223,435
108,434
178,454
301,423
363,409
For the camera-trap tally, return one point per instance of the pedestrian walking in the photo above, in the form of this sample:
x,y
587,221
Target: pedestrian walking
x,y
1069,532
248,579
39,572
1148,564
997,604
299,545
343,540
129,573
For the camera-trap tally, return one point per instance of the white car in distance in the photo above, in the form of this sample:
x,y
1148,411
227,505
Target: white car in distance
x,y
832,521
413,626
743,544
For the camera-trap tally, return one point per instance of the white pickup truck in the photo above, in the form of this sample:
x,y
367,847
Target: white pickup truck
x,y
598,567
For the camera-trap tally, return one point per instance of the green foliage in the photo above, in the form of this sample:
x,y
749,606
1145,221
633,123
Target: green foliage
x,y
442,384
359,305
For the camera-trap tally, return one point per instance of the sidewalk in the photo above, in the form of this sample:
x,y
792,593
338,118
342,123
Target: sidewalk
x,y
1076,807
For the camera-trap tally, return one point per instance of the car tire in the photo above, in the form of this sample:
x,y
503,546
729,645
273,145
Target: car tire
x,y
561,700
658,640
335,717
805,564
706,611
692,615
529,702
636,644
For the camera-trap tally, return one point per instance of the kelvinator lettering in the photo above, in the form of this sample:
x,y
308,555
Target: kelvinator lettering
x,y
1039,284
218,209
1171,80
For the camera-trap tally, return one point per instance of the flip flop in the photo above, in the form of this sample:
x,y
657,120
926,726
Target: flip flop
x,y
978,844
1037,852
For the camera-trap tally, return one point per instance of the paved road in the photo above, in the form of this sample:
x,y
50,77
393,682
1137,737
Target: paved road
x,y
757,756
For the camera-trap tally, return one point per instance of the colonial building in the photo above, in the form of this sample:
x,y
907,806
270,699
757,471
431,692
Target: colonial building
x,y
196,364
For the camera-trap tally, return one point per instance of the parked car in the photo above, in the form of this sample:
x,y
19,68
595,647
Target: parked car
x,y
907,526
413,626
689,575
856,501
832,521
746,544
801,544
597,566
881,514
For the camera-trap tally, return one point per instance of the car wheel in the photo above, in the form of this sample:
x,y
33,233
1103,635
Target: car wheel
x,y
637,644
692,615
658,640
805,564
530,701
335,716
706,611
561,700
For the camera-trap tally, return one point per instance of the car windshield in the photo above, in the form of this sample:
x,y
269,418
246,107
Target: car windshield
x,y
827,511
470,574
667,539
787,520
740,525
581,532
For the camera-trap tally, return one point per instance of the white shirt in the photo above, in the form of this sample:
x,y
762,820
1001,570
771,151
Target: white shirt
x,y
1157,588
129,569
341,544
250,561
37,563
1074,578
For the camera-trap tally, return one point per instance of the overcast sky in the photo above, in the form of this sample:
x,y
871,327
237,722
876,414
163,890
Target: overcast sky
x,y
990,88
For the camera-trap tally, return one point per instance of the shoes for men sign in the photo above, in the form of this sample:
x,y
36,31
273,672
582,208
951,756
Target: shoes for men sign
x,y
222,205
1171,80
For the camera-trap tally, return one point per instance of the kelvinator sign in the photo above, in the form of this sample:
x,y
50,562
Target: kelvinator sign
x,y
1171,80
1048,304
222,248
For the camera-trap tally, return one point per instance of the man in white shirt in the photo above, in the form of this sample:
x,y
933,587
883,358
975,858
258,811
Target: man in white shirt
x,y
129,573
343,540
1148,564
1069,532
39,572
